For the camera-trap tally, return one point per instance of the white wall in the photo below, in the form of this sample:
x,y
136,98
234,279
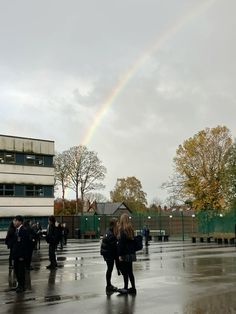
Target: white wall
x,y
27,211
26,174
30,206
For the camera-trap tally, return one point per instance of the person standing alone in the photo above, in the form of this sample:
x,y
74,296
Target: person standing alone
x,y
52,238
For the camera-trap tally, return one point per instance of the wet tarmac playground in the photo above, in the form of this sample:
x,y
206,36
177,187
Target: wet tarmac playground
x,y
170,277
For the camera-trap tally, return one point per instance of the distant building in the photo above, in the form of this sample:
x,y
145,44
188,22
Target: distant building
x,y
26,176
115,209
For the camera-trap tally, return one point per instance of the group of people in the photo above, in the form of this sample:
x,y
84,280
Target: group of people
x,y
19,242
118,248
23,237
34,231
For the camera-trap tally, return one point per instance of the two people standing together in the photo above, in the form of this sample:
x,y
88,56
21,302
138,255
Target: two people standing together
x,y
118,248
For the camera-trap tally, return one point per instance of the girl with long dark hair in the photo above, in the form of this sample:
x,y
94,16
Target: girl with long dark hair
x,y
109,252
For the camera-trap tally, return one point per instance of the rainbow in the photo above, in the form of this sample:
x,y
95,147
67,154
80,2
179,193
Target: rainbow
x,y
152,48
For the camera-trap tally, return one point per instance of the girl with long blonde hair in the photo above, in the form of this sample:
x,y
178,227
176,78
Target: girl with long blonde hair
x,y
126,253
126,226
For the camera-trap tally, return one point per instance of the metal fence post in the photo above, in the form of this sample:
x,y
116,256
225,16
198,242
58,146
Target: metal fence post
x,y
182,220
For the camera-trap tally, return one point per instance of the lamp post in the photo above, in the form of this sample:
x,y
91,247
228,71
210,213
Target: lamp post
x,y
193,216
98,228
160,225
170,218
182,221
86,221
140,223
222,224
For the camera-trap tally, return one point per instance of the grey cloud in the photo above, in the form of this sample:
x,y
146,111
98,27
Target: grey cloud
x,y
60,61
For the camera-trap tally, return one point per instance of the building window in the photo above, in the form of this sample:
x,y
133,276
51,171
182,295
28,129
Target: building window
x,y
8,158
25,159
39,190
29,190
34,160
34,190
7,190
39,160
30,160
20,190
1,157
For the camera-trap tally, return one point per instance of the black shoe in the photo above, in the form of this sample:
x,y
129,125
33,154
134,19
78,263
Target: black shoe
x,y
111,288
132,291
20,289
51,267
122,291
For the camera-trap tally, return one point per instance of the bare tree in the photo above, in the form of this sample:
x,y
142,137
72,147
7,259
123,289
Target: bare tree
x,y
157,201
85,170
61,173
98,197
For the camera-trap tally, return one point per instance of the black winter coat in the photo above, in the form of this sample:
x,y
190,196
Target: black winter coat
x,y
53,235
125,246
109,245
10,238
20,244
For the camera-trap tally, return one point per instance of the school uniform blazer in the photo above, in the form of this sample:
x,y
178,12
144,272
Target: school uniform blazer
x,y
20,244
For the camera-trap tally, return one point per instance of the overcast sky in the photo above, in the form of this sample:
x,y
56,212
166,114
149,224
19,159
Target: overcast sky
x,y
60,60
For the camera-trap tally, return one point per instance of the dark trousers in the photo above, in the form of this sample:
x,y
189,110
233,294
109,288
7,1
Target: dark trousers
x,y
52,254
110,266
127,272
38,241
10,257
61,243
19,268
28,258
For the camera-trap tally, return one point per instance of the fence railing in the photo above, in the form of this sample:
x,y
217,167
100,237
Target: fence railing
x,y
179,225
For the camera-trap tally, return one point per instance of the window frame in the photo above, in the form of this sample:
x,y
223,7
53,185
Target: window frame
x,y
33,190
37,160
6,191
7,157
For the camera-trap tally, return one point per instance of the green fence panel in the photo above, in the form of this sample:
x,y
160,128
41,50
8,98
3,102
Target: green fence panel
x,y
211,221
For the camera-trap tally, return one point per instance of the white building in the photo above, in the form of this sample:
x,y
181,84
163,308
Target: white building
x,y
26,176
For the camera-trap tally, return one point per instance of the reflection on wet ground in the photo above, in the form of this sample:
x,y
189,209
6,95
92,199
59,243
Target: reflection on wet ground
x,y
171,277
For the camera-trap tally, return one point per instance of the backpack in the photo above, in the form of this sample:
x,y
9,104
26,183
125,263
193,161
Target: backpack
x,y
138,243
